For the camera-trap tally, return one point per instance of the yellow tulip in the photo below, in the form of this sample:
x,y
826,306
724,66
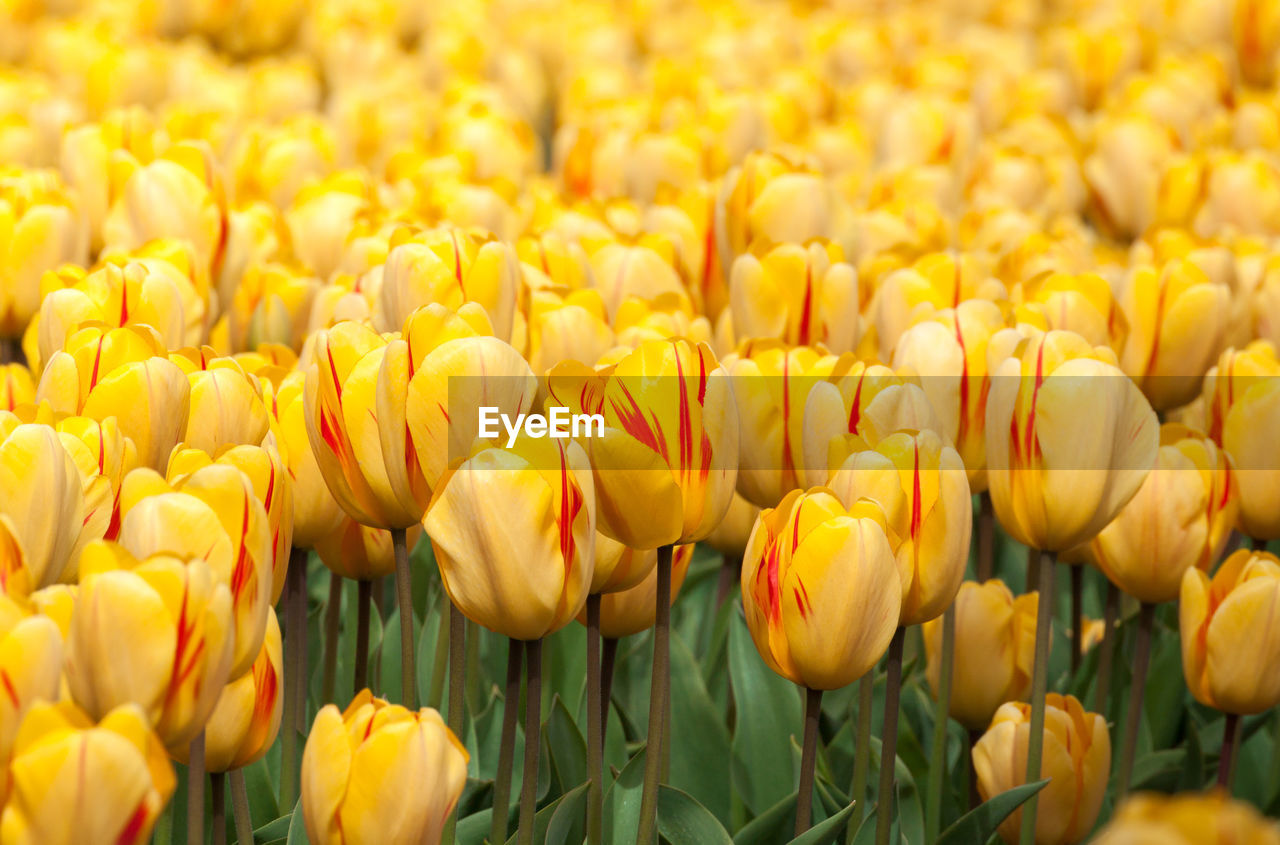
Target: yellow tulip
x,y
123,373
31,655
666,315
919,482
314,509
566,325
1209,818
213,515
622,272
1083,304
820,588
994,650
731,535
1070,439
1245,437
155,632
1181,517
357,762
16,386
15,575
1077,761
358,551
73,780
246,718
325,218
226,402
1123,172
1230,378
631,610
936,281
104,456
670,437
526,573
801,295
271,304
41,492
769,199
1228,632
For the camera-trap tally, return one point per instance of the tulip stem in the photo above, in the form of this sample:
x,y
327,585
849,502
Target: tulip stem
x,y
970,773
218,798
1227,760
986,538
440,660
1077,615
457,659
332,615
608,659
532,740
889,738
404,599
1257,544
195,790
729,575
595,737
938,757
295,685
1039,688
507,751
657,700
861,753
364,603
808,758
1141,661
1033,562
1106,656
240,807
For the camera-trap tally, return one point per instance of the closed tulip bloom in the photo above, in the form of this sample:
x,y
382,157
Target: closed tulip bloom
x,y
771,199
226,402
1177,320
213,515
15,575
566,325
41,492
65,763
1193,818
1070,439
820,588
1230,378
1229,631
123,373
938,280
994,650
246,718
155,632
1083,304
1181,517
622,272
801,295
31,655
16,386
731,535
919,482
358,551
1251,419
314,509
357,762
1077,761
104,456
526,573
631,610
670,438
271,304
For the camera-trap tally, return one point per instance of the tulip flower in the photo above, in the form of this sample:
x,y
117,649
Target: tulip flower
x,y
16,386
358,763
314,508
226,402
1209,818
41,492
1123,172
1230,378
771,199
566,325
1083,304
995,639
123,373
270,305
104,456
1227,633
1077,759
1244,437
799,295
324,219
1180,518
665,316
31,654
622,272
64,763
359,552
936,281
631,610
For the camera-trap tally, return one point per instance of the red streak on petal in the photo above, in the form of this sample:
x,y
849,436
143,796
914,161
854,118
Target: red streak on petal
x,y
806,307
855,411
964,384
9,689
570,507
242,574
132,831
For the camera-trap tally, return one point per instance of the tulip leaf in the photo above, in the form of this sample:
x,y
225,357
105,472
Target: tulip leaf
x,y
826,831
567,749
564,661
622,801
432,653
683,821
273,830
1192,777
1159,770
980,823
542,819
566,825
298,828
1163,709
768,709
772,825
699,739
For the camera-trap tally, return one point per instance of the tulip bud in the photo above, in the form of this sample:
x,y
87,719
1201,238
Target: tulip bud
x,y
246,719
1077,761
1231,378
314,508
731,535
771,200
1228,632
379,748
1245,436
31,659
801,295
994,650
820,588
272,304
622,272
666,316
41,492
1209,818
324,219
1181,517
1070,439
632,610
1123,172
936,281
1083,304
64,763
360,552
566,325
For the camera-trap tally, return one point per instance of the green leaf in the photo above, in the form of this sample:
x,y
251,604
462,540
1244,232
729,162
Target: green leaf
x,y
542,819
567,825
700,750
827,831
566,747
981,822
272,830
1192,777
683,821
866,832
298,828
1159,770
768,715
622,802
771,826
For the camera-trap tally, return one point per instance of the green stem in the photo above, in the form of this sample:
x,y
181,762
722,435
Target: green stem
x,y
1107,649
607,661
404,598
240,807
1227,759
364,603
474,686
938,757
861,754
595,736
440,660
195,790
332,616
1077,615
1033,562
808,758
729,575
889,738
507,750
295,662
1273,781
1133,721
657,701
970,773
218,798
1257,544
456,720
163,832
1039,688
986,538
532,741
